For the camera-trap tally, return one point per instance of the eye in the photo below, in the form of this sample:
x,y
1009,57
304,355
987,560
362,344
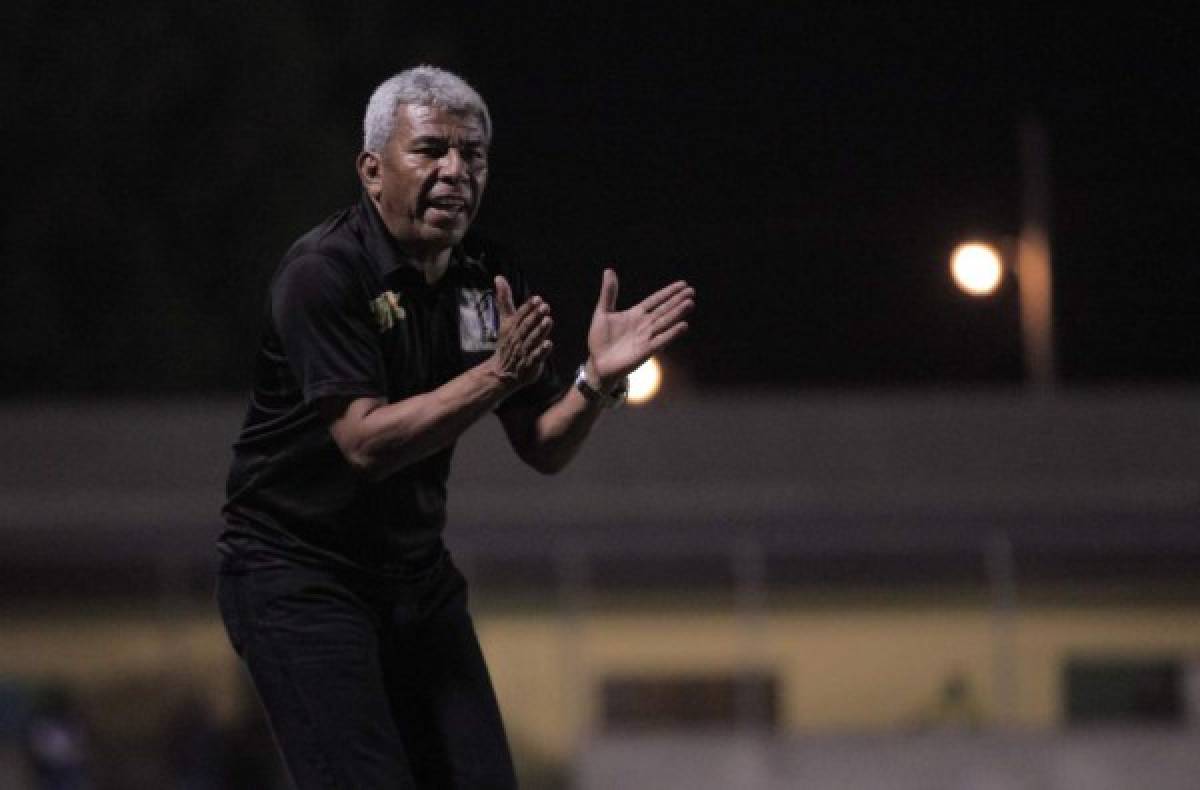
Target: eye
x,y
432,150
476,158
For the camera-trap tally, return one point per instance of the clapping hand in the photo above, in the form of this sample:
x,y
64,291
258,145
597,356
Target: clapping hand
x,y
523,342
619,342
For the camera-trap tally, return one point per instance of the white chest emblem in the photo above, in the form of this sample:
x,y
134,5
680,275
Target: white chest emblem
x,y
478,320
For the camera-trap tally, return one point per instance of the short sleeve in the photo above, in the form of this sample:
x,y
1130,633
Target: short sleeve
x,y
325,332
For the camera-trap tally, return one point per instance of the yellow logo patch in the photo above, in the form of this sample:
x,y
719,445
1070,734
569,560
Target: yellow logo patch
x,y
387,310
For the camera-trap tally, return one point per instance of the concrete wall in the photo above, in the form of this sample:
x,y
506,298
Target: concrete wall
x,y
898,471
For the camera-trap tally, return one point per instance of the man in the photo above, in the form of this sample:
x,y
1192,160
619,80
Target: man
x,y
389,332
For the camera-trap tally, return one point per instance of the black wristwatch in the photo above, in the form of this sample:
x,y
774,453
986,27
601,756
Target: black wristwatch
x,y
610,400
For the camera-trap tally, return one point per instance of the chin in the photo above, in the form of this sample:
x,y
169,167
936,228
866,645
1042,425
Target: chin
x,y
445,237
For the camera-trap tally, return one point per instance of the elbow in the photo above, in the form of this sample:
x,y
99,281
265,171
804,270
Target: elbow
x,y
550,469
374,461
361,447
366,464
546,463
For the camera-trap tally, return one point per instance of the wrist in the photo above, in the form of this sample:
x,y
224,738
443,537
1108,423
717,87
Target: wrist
x,y
605,384
497,380
608,397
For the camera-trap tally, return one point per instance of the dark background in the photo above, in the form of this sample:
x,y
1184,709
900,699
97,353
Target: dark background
x,y
808,170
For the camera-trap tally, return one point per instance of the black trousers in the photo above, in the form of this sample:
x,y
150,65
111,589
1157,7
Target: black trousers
x,y
368,685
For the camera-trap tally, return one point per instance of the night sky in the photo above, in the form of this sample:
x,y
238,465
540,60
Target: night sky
x,y
809,170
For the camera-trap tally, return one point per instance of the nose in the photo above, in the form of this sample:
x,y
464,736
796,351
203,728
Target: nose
x,y
451,167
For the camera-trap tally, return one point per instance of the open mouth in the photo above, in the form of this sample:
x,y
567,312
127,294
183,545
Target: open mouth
x,y
448,203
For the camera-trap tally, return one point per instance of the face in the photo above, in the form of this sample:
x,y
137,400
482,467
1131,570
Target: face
x,y
429,180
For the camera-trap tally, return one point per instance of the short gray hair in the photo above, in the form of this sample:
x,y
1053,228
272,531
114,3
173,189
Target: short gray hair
x,y
426,86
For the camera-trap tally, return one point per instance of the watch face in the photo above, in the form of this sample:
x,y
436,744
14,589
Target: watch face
x,y
581,384
606,399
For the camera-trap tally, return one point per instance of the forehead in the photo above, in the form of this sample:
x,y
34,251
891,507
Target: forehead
x,y
418,120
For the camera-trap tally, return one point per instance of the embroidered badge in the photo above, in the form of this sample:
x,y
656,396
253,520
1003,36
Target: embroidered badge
x,y
478,319
387,310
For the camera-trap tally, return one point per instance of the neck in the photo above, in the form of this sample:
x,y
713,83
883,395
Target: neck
x,y
436,266
433,262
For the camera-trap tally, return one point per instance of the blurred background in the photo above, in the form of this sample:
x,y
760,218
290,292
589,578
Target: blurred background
x,y
873,531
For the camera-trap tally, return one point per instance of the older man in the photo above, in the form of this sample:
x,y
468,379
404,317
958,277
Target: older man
x,y
389,331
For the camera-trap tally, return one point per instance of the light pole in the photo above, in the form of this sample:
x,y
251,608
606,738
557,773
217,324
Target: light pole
x,y
1035,285
977,267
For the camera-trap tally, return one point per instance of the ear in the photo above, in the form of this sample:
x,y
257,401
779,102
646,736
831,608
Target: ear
x,y
369,167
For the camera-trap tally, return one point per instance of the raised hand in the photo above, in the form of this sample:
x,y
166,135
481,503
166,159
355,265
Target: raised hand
x,y
523,343
621,341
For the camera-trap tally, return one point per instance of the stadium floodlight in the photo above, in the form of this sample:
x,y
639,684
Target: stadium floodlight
x,y
977,267
645,382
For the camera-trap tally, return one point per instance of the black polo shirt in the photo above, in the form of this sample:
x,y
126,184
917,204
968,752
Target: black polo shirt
x,y
348,316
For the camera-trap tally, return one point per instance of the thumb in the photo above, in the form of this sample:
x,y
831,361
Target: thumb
x,y
504,299
608,292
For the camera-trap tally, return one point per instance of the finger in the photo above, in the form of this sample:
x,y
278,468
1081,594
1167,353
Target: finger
x,y
541,353
530,313
659,342
504,298
686,296
656,299
668,319
608,292
537,335
536,359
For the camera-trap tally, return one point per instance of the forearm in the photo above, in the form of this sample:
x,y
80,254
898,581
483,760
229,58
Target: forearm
x,y
379,438
556,435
